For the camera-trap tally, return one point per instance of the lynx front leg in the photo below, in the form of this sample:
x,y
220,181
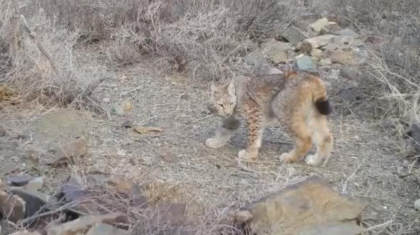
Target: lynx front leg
x,y
225,133
256,126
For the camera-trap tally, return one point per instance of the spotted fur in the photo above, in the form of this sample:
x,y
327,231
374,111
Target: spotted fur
x,y
297,100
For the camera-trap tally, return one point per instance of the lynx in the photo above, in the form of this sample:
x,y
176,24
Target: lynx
x,y
297,100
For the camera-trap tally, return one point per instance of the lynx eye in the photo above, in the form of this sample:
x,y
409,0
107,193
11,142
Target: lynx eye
x,y
221,105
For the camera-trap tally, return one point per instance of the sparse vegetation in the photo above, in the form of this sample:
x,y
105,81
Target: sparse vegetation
x,y
59,53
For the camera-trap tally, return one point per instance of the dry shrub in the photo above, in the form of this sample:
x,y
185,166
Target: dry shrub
x,y
64,80
392,79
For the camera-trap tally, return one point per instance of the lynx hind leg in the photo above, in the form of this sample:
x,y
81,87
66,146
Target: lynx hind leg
x,y
298,130
256,120
225,133
322,139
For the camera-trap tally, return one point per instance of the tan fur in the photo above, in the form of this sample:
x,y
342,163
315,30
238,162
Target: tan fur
x,y
290,99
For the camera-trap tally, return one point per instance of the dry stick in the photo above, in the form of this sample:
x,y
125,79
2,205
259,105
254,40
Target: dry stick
x,y
33,36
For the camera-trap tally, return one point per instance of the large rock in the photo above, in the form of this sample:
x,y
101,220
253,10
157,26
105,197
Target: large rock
x,y
294,35
310,207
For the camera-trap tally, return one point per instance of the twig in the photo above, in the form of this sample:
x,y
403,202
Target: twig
x,y
33,36
351,176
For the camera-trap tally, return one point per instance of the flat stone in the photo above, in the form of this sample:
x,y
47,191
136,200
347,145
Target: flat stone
x,y
417,204
25,232
331,29
34,201
274,51
117,109
309,207
294,35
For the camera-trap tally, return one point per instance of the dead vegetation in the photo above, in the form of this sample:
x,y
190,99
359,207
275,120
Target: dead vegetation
x,y
204,39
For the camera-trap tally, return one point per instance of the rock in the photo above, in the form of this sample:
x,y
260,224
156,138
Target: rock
x,y
105,229
84,224
315,43
325,61
117,109
331,29
106,100
274,71
35,184
316,54
309,207
34,201
18,180
123,185
294,35
347,32
305,63
347,51
127,124
417,204
319,24
147,130
69,152
13,206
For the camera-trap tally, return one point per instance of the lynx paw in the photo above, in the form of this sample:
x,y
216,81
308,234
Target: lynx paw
x,y
215,143
312,160
244,155
286,157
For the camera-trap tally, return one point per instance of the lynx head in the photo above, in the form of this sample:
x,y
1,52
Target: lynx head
x,y
223,98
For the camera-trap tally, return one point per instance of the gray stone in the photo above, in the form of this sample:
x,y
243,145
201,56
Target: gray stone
x,y
316,42
331,29
305,63
294,35
274,51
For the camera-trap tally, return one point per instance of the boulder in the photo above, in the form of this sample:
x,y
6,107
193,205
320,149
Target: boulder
x,y
310,207
346,50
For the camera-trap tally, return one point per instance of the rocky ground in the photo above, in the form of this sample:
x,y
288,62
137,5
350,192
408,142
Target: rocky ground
x,y
171,161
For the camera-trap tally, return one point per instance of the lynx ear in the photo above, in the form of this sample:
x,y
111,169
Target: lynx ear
x,y
231,87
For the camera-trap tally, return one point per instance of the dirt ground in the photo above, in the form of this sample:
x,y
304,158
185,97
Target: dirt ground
x,y
366,161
